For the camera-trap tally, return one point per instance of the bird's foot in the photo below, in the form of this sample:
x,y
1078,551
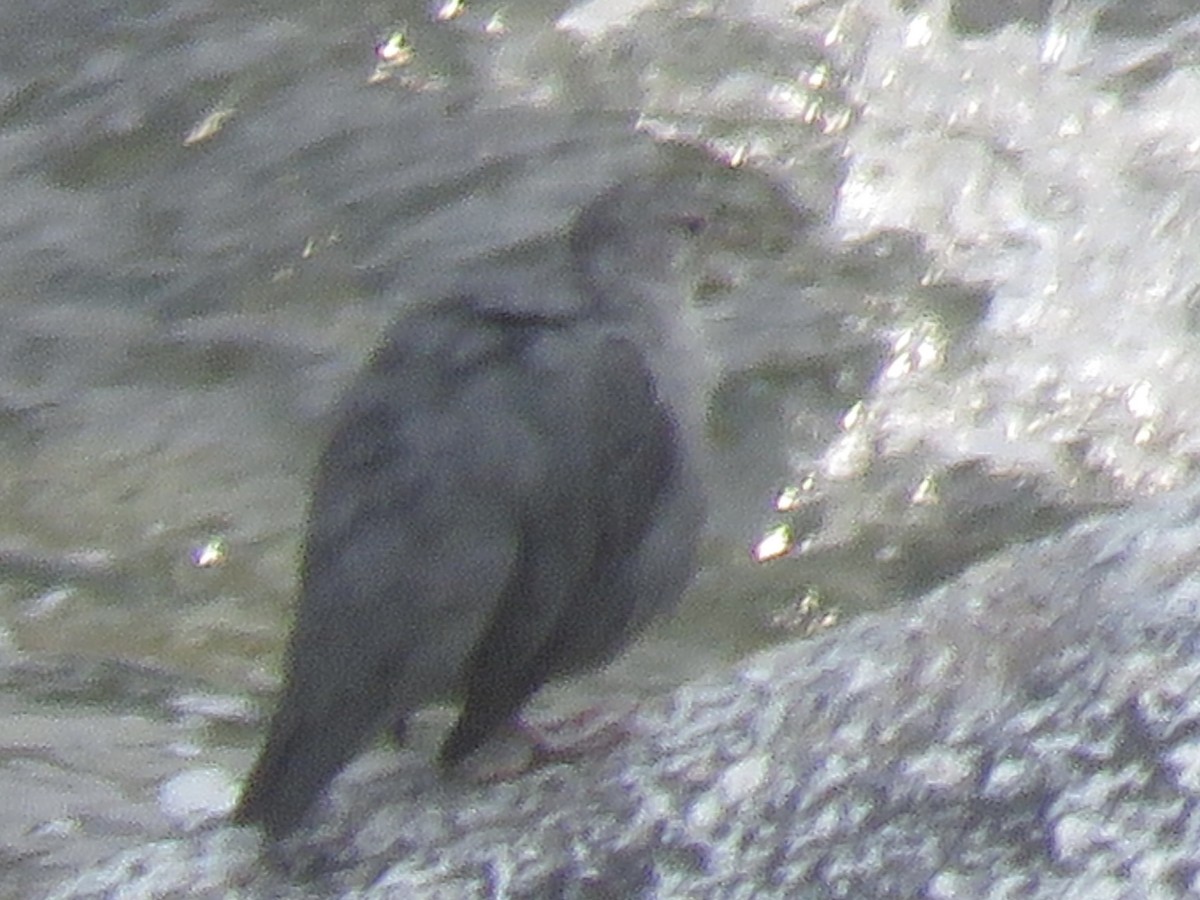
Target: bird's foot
x,y
521,747
588,732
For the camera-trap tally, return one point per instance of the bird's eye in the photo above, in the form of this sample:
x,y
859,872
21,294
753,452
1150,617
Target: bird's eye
x,y
694,224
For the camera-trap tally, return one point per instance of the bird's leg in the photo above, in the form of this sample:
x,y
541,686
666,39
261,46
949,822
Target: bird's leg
x,y
520,747
590,731
398,731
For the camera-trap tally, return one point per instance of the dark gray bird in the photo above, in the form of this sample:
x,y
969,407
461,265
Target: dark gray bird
x,y
509,494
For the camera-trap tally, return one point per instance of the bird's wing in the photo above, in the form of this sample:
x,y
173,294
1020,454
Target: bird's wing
x,y
416,521
614,452
414,533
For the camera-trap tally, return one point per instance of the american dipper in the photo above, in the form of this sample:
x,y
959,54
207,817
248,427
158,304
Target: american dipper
x,y
509,494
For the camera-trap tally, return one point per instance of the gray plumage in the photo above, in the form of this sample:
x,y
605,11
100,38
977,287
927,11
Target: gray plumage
x,y
509,495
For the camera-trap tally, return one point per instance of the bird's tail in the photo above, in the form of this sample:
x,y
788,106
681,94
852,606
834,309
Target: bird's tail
x,y
305,749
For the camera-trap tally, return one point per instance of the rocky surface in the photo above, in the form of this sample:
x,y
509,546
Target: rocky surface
x,y
1029,730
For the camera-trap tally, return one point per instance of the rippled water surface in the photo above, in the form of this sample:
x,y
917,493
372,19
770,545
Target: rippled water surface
x,y
211,210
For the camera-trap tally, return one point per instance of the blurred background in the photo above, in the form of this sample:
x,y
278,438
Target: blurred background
x,y
209,211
